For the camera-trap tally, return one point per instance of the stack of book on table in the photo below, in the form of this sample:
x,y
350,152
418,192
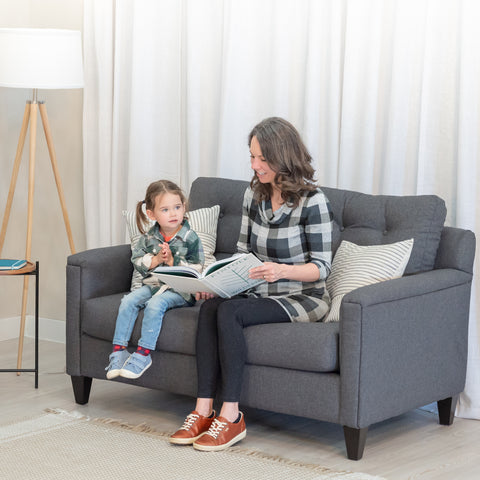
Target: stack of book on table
x,y
11,264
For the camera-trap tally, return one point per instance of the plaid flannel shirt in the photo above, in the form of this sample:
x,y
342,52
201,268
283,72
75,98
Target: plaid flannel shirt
x,y
185,246
294,236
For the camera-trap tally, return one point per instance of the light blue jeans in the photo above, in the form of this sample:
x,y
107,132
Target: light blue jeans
x,y
155,308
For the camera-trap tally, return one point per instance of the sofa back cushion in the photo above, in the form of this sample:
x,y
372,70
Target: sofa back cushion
x,y
383,219
208,191
358,218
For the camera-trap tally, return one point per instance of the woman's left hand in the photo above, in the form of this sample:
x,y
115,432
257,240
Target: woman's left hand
x,y
269,271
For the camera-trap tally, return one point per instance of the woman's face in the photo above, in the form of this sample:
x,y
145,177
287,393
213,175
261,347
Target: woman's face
x,y
262,169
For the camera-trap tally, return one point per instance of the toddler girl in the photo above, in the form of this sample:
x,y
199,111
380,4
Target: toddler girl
x,y
169,242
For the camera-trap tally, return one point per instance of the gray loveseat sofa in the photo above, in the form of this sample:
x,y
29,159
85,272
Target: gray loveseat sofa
x,y
400,344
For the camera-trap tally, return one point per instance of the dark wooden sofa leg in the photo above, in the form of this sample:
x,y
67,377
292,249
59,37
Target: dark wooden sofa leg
x,y
355,441
81,388
446,410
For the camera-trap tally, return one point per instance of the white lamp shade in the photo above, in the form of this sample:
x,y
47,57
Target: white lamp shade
x,y
40,58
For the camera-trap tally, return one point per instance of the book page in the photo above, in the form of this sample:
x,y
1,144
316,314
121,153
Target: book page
x,y
229,280
220,263
188,271
233,278
185,284
180,270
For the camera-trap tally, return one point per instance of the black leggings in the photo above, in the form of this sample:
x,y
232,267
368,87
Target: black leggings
x,y
221,344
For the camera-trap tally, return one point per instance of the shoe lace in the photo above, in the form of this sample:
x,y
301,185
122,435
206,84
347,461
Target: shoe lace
x,y
189,421
216,428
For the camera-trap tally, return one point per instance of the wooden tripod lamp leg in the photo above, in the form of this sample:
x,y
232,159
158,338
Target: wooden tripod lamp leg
x,y
13,181
53,159
31,116
28,250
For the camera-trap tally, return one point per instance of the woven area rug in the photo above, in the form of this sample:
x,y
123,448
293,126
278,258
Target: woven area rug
x,y
66,445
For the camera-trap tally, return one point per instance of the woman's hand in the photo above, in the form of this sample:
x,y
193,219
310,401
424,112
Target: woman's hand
x,y
269,271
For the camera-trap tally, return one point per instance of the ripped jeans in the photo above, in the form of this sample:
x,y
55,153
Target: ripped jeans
x,y
155,308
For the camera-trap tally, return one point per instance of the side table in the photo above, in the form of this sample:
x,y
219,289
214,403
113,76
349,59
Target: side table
x,y
29,269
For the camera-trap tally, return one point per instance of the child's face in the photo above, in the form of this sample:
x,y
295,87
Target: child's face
x,y
168,212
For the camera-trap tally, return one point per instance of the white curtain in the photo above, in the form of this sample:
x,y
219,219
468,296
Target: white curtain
x,y
385,92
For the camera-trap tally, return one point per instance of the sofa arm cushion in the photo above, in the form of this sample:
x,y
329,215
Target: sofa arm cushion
x,y
408,286
456,249
104,271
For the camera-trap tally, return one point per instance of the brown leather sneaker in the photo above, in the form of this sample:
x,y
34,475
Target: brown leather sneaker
x,y
221,435
194,426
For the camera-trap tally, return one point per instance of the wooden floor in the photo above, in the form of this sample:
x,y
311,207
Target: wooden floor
x,y
412,446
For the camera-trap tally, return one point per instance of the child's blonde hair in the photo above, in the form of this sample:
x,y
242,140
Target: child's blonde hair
x,y
153,191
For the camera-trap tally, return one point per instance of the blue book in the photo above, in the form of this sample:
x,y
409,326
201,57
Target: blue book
x,y
7,264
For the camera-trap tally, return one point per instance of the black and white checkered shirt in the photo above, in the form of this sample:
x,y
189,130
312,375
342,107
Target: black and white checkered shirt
x,y
294,236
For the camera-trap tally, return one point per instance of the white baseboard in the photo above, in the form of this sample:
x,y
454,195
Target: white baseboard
x,y
49,329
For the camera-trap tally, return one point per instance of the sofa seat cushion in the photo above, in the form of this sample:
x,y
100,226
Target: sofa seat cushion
x,y
309,346
298,346
177,333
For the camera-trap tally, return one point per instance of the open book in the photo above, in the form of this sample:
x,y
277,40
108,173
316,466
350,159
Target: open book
x,y
224,278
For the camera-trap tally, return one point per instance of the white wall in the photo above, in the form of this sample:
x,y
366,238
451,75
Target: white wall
x,y
49,240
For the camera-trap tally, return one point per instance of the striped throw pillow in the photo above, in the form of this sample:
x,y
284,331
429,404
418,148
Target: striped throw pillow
x,y
356,266
203,221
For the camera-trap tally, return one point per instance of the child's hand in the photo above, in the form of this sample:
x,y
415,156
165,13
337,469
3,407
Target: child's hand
x,y
166,254
203,296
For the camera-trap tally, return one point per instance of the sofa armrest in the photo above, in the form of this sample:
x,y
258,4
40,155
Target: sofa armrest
x,y
456,249
104,271
403,344
93,273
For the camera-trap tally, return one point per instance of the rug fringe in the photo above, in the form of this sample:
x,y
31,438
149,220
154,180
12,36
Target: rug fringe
x,y
275,458
141,428
288,462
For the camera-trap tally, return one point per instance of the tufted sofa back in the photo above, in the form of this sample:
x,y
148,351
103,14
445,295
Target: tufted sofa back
x,y
359,218
381,219
209,191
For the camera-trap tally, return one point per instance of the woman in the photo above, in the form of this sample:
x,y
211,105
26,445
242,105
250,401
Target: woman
x,y
287,223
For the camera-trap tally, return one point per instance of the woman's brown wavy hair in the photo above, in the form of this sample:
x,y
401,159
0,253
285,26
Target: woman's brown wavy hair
x,y
286,154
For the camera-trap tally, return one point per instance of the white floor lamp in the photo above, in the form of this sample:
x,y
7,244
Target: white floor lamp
x,y
36,58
